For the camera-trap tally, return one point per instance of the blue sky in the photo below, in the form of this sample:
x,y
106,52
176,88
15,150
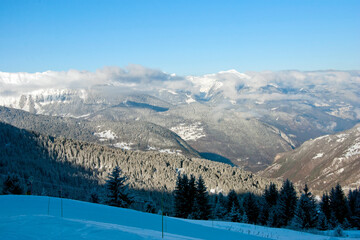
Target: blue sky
x,y
183,37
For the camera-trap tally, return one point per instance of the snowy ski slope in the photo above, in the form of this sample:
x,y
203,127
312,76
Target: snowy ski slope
x,y
38,217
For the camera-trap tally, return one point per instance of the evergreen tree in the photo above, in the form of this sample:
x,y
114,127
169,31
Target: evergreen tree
x,y
354,206
94,197
325,205
345,224
323,223
306,211
180,196
338,231
263,213
271,194
244,218
333,222
12,185
117,190
339,204
353,194
286,204
232,200
149,207
251,207
184,196
273,220
190,195
220,207
234,214
268,201
202,206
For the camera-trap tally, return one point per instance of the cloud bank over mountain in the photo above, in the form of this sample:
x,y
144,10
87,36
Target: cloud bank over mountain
x,y
232,85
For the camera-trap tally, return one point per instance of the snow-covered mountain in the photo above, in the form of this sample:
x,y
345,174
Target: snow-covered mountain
x,y
136,135
322,162
277,111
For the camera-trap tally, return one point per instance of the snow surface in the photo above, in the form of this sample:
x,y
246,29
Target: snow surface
x,y
106,135
320,104
341,137
189,99
319,155
169,151
39,217
189,132
271,233
123,145
353,150
319,138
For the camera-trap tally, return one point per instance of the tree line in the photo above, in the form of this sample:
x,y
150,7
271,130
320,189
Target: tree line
x,y
274,207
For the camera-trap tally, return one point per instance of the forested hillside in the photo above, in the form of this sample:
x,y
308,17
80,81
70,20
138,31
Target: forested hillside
x,y
136,135
73,168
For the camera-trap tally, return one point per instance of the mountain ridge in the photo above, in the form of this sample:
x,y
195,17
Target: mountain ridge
x,y
322,162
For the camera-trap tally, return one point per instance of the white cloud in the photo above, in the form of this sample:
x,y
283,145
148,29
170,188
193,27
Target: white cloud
x,y
231,84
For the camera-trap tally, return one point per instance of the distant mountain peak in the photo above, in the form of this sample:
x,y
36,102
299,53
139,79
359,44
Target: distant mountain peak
x,y
235,72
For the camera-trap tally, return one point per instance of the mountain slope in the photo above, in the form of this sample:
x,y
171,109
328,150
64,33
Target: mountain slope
x,y
226,114
77,166
223,135
322,162
136,135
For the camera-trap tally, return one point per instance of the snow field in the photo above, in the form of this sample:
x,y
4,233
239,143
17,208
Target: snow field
x,y
190,132
39,217
106,135
26,217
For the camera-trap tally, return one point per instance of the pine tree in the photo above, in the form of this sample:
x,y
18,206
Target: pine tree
x,y
339,204
306,211
220,207
263,213
117,190
13,185
338,231
244,218
181,197
269,199
94,197
251,207
322,223
273,220
354,206
325,205
190,195
234,214
271,194
345,224
286,204
232,200
202,206
149,207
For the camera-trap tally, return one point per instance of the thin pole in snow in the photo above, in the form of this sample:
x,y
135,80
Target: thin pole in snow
x,y
49,206
162,215
61,202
